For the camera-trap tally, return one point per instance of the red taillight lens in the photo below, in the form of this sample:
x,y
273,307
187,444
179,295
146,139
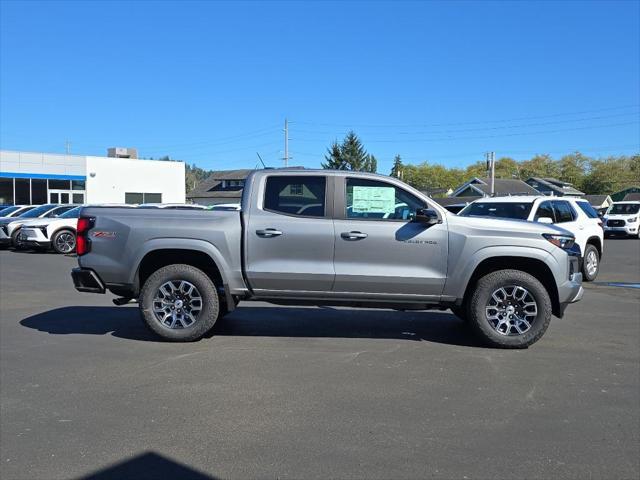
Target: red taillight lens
x,y
83,244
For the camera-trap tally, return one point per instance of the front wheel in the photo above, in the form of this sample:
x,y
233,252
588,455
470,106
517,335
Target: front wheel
x,y
590,263
64,242
509,309
179,303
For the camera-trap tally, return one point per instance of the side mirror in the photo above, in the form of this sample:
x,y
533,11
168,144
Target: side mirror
x,y
547,220
426,216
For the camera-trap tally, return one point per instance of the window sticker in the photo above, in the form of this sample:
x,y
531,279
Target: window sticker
x,y
374,200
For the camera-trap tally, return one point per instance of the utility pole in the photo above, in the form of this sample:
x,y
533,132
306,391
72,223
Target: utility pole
x,y
67,147
286,143
491,167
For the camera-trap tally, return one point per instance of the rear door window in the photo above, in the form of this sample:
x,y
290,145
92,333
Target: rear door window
x,y
564,211
298,195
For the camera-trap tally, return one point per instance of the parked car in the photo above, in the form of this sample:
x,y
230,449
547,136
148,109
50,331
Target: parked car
x,y
58,233
174,206
10,227
622,217
573,215
506,278
15,210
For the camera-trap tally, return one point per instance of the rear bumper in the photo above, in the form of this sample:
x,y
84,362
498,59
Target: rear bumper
x,y
86,280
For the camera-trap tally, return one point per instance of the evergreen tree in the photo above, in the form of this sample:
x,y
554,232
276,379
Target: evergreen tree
x,y
396,170
354,155
334,160
371,164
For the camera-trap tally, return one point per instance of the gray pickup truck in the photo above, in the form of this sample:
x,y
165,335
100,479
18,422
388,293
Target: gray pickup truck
x,y
323,237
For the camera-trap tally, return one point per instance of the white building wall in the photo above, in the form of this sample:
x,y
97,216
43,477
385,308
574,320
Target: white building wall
x,y
41,163
108,179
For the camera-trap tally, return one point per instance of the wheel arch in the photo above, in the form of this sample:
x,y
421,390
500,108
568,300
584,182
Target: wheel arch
x,y
156,258
533,266
59,229
596,242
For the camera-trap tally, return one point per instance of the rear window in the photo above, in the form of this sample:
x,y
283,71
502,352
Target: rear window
x,y
624,208
514,210
296,195
588,209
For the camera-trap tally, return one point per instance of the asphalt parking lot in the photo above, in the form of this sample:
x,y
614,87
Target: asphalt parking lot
x,y
87,392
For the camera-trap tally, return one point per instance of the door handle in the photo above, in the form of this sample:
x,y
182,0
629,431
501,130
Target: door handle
x,y
353,235
268,233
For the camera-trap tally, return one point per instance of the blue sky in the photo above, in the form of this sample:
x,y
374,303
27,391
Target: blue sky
x,y
211,83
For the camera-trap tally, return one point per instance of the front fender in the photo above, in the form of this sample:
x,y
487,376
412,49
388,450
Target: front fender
x,y
459,278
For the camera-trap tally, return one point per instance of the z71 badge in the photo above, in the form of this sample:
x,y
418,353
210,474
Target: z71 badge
x,y
101,234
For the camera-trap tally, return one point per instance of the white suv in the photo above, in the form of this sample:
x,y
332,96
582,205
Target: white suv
x,y
575,215
622,217
57,232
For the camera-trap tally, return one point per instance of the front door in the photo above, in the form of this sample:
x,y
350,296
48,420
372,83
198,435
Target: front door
x,y
289,236
380,249
66,196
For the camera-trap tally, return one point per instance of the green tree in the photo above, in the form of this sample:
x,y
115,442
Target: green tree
x,y
353,153
573,168
396,170
333,158
371,164
542,166
350,155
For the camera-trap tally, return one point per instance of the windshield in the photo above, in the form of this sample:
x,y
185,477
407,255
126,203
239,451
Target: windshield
x,y
515,210
624,208
36,212
73,213
7,210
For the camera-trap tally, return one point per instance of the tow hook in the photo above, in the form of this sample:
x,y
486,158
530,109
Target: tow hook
x,y
123,301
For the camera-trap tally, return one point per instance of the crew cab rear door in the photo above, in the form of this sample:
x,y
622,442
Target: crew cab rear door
x,y
380,250
290,235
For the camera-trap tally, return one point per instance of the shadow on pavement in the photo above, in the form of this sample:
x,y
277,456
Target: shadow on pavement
x,y
125,322
148,466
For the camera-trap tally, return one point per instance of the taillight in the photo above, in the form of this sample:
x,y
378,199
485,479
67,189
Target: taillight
x,y
83,244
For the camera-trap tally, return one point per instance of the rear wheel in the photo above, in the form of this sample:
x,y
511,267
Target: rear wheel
x,y
179,303
509,309
64,241
590,263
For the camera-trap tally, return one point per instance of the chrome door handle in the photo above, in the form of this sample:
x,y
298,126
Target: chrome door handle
x,y
353,235
268,233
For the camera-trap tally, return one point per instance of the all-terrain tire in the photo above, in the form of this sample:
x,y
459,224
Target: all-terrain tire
x,y
588,251
481,295
206,318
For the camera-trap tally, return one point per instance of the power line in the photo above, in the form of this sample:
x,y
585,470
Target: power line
x,y
534,117
500,127
514,134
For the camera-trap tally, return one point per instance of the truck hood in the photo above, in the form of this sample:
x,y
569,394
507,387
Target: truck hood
x,y
504,225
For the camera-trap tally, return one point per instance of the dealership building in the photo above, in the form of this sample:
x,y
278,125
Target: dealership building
x,y
37,178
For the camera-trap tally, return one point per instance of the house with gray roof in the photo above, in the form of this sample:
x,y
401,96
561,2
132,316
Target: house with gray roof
x,y
481,187
224,186
599,201
632,197
554,187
